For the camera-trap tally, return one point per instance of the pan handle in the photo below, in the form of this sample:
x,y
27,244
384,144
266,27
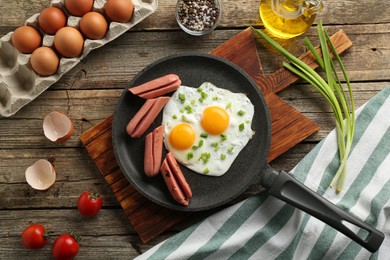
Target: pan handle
x,y
285,187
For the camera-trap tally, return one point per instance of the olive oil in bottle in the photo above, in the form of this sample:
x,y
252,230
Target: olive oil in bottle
x,y
288,18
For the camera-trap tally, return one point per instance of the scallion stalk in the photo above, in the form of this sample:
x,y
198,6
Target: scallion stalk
x,y
343,105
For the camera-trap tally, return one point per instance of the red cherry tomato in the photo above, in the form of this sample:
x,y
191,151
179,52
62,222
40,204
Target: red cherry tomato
x,y
34,236
65,246
89,204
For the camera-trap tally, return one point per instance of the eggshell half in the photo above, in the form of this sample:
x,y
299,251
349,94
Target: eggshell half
x,y
41,175
57,127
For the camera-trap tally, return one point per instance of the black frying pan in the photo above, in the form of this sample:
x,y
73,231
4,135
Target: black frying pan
x,y
250,165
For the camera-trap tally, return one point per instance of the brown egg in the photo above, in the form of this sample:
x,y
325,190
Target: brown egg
x,y
51,20
26,39
119,10
44,61
69,42
93,25
78,7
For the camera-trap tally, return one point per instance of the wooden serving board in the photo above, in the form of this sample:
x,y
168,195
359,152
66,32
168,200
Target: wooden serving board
x,y
289,127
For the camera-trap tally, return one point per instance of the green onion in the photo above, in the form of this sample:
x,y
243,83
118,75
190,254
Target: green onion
x,y
204,157
206,171
223,137
241,113
215,145
341,102
204,135
174,116
193,102
230,150
188,109
204,95
223,156
229,105
201,100
200,144
190,155
241,127
182,98
199,90
215,98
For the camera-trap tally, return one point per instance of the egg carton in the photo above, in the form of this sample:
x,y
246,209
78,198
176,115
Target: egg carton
x,y
19,84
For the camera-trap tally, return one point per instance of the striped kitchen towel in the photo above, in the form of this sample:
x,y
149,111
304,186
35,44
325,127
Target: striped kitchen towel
x,y
263,227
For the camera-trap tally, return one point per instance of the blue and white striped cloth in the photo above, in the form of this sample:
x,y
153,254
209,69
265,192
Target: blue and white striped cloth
x,y
263,227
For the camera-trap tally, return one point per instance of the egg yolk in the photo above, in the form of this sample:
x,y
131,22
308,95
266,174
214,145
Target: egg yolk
x,y
182,136
215,120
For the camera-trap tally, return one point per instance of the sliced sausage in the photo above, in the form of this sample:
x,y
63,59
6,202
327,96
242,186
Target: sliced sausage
x,y
175,168
162,90
148,155
149,117
138,116
157,148
145,116
172,184
157,87
175,181
153,151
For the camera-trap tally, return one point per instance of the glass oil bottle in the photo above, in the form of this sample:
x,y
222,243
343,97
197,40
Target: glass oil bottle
x,y
288,18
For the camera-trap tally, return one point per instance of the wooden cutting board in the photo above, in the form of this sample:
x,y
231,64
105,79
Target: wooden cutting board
x,y
289,127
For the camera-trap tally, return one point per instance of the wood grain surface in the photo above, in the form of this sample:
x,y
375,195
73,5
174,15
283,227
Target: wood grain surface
x,y
89,92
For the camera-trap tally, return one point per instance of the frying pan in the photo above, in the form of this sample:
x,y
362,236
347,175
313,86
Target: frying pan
x,y
249,167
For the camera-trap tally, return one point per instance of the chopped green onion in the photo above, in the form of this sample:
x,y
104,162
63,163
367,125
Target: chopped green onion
x,y
230,150
190,155
174,116
184,118
215,98
189,109
182,110
204,95
229,105
193,102
204,157
206,171
200,144
201,100
241,113
199,90
204,135
223,137
215,145
241,127
343,106
182,98
223,156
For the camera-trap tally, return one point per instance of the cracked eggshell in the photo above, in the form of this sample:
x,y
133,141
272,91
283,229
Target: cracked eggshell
x,y
41,175
57,127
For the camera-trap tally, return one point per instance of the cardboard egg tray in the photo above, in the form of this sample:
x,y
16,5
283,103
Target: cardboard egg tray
x,y
19,84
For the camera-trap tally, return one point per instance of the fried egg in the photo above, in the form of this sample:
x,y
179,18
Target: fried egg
x,y
207,127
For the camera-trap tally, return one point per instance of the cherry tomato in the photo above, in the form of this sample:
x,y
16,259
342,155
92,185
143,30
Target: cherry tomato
x,y
65,247
89,204
34,236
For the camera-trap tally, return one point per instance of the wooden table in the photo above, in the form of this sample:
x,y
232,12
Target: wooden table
x,y
89,92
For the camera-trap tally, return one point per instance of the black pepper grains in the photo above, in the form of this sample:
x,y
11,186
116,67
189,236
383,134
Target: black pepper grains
x,y
198,15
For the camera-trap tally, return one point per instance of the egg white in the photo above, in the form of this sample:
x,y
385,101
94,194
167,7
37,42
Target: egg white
x,y
222,150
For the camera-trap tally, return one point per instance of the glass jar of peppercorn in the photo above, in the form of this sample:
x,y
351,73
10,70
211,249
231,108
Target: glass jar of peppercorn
x,y
198,17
